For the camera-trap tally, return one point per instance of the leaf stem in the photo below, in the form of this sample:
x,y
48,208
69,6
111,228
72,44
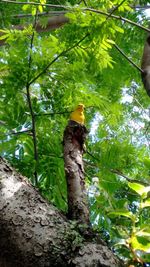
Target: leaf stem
x,y
118,172
115,8
16,133
128,59
52,113
33,130
57,57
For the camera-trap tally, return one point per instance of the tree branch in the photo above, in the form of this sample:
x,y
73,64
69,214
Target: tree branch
x,y
35,233
30,106
141,7
64,7
118,172
57,13
115,45
127,58
55,59
53,113
115,8
117,17
48,13
82,9
85,2
35,4
16,133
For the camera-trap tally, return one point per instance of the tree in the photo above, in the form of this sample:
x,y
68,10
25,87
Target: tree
x,y
37,233
43,75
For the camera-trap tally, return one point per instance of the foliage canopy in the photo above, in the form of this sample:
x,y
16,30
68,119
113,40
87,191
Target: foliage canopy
x,y
45,75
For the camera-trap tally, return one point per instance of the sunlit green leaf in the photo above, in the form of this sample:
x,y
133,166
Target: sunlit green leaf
x,y
140,189
119,29
146,203
143,233
40,8
25,7
34,11
140,243
123,213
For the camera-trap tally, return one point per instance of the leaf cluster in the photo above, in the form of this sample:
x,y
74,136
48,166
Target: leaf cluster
x,y
79,63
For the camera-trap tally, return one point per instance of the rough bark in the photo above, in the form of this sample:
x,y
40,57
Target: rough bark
x,y
74,138
54,22
145,65
35,233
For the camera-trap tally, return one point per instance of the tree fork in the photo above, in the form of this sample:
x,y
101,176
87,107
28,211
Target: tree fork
x,y
73,143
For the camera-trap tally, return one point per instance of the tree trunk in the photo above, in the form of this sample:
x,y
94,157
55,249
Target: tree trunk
x,y
34,233
73,141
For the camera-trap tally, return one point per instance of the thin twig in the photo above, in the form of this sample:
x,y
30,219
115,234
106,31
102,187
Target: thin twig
x,y
52,113
57,13
134,93
118,172
16,133
55,59
140,7
114,9
117,17
128,59
50,156
34,4
30,107
85,2
62,6
116,46
33,129
144,112
90,154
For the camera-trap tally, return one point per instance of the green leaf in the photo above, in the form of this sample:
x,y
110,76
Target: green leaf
x,y
123,213
119,29
40,8
143,233
117,109
5,34
33,11
110,41
140,243
146,203
140,189
25,7
43,2
146,162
